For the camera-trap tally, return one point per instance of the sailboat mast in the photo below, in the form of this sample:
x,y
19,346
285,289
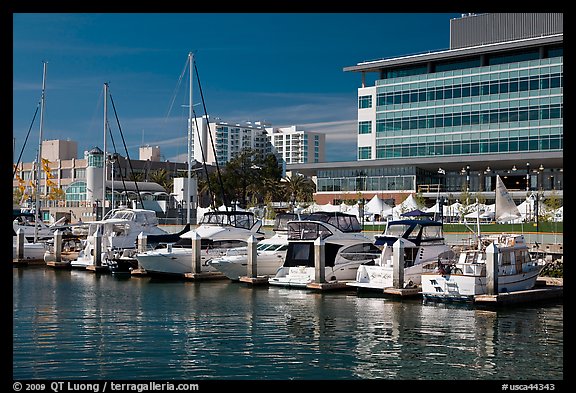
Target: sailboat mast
x,y
39,160
191,62
104,158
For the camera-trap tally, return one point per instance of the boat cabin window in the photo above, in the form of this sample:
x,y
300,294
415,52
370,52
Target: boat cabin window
x,y
505,258
272,247
359,252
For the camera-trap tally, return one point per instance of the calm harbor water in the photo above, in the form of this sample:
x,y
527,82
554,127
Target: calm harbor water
x,y
81,325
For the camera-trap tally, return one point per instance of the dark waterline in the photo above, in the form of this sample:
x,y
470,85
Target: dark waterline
x,y
81,325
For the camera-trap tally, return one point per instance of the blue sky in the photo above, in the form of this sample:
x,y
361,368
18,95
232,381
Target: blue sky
x,y
282,68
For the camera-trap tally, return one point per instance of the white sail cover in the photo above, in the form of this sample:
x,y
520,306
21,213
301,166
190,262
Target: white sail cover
x,y
505,209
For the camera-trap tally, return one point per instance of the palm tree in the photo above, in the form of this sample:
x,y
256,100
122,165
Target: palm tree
x,y
298,187
161,177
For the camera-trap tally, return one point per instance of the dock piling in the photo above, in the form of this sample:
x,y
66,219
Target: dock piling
x,y
252,269
398,264
20,244
196,257
97,249
492,256
142,242
319,260
58,245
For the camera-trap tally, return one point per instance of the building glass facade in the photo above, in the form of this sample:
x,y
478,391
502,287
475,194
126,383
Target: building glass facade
x,y
510,107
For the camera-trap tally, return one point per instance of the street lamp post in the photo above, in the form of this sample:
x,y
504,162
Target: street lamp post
x,y
527,176
466,171
439,200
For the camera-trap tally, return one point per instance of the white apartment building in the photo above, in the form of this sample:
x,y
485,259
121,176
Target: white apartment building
x,y
294,145
228,139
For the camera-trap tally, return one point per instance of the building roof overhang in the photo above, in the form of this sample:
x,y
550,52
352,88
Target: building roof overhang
x,y
377,65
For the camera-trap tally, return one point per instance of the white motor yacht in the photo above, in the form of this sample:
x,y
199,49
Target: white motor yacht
x,y
423,241
346,248
221,232
465,278
31,250
119,231
270,253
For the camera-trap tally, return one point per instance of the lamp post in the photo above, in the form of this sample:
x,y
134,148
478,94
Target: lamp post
x,y
439,201
537,202
527,176
466,171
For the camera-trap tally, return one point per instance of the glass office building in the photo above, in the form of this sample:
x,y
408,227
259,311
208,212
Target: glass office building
x,y
491,104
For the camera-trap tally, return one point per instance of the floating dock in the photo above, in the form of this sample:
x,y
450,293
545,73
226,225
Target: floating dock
x,y
328,286
98,269
403,292
260,280
205,276
21,262
547,288
59,265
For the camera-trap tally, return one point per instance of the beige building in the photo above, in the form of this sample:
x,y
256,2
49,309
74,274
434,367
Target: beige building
x,y
294,145
64,171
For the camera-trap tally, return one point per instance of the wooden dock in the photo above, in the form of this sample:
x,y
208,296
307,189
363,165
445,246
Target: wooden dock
x,y
138,272
98,269
328,286
204,276
512,298
403,292
59,265
21,262
260,280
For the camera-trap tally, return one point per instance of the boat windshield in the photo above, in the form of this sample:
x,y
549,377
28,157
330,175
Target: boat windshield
x,y
281,221
343,221
302,230
235,219
397,230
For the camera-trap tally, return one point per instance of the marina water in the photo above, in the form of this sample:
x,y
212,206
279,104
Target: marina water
x,y
72,324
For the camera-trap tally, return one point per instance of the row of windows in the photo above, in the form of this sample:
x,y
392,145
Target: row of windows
x,y
79,173
471,89
367,184
493,134
503,115
543,143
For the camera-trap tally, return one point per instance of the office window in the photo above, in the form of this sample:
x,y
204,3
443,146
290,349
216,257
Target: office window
x,y
365,127
364,102
364,153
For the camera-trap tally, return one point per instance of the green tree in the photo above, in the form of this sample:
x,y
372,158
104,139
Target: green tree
x,y
299,188
161,177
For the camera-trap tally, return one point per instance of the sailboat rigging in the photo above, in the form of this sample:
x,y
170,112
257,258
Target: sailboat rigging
x,y
39,160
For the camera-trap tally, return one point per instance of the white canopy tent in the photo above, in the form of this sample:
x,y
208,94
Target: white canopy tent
x,y
376,205
407,205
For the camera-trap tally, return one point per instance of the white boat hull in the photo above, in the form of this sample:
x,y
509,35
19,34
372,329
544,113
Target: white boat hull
x,y
301,276
379,277
237,266
32,251
465,287
177,261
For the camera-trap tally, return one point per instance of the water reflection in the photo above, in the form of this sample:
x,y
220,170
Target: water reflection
x,y
76,324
